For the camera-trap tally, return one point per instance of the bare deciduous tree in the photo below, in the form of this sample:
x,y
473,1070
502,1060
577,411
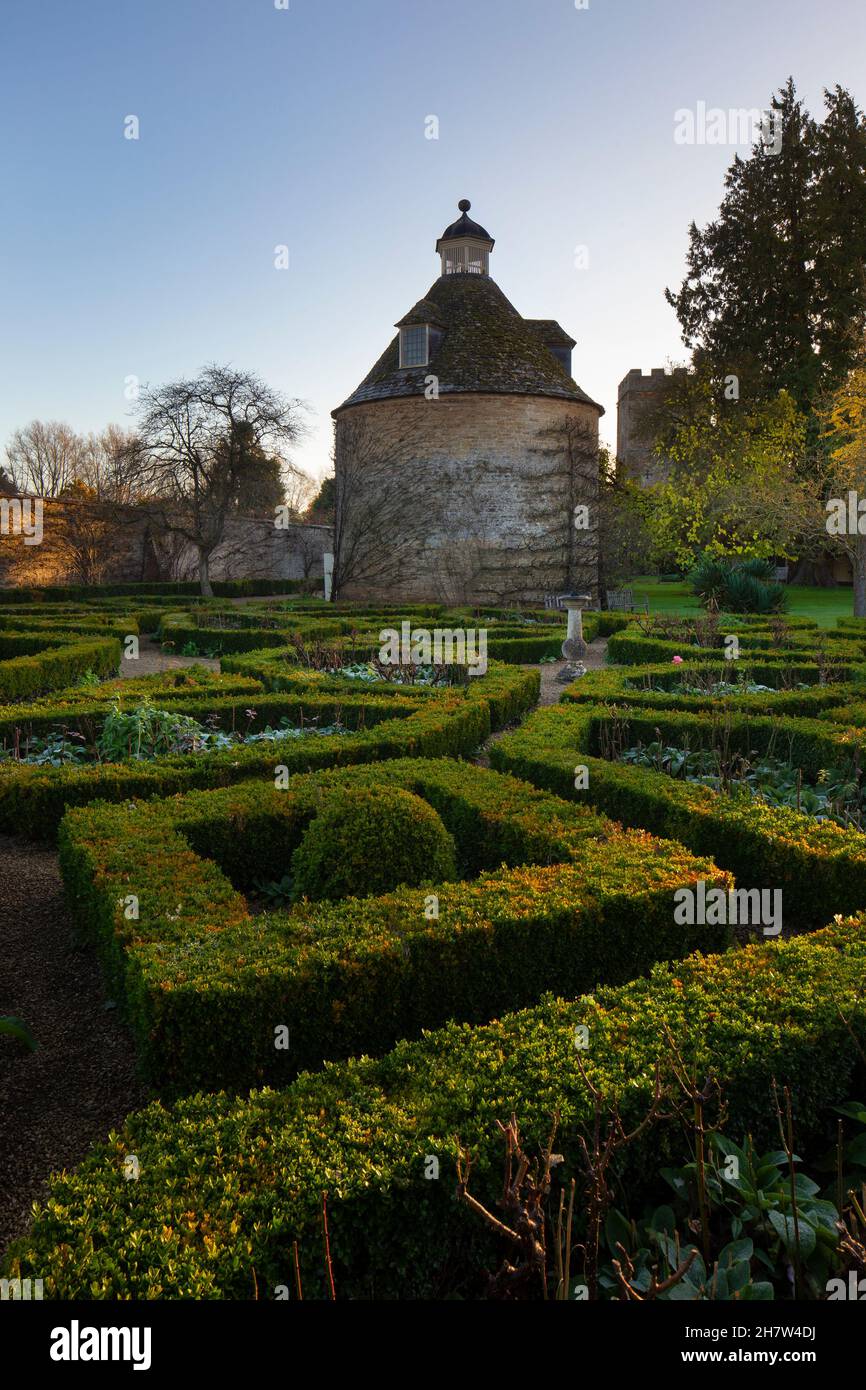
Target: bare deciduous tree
x,y
44,457
195,438
109,466
300,489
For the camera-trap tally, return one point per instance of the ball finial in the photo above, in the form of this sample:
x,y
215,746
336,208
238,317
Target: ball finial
x,y
464,205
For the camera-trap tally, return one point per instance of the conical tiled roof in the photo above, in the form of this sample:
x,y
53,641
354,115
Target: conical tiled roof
x,y
486,346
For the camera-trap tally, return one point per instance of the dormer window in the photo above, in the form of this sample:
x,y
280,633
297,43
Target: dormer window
x,y
415,345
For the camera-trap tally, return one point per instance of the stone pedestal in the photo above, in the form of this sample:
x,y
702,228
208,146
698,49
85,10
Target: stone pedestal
x,y
574,647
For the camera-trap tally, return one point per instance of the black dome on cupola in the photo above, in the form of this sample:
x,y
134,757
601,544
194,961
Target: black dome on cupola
x,y
464,226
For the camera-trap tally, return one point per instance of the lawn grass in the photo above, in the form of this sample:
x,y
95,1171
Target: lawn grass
x,y
823,605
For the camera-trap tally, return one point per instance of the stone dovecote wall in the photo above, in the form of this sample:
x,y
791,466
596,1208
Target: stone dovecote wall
x,y
486,485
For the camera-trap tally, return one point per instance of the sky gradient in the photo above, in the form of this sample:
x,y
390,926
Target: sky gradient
x,y
262,127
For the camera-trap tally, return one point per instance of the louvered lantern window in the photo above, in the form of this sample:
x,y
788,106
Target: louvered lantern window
x,y
465,259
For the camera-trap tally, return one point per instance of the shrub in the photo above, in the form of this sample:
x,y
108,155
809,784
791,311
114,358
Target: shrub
x,y
369,841
57,666
420,723
228,1184
571,900
744,587
820,866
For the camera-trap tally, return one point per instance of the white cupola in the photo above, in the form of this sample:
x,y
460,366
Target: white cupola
x,y
464,246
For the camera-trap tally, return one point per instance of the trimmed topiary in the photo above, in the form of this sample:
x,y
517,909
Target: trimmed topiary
x,y
372,840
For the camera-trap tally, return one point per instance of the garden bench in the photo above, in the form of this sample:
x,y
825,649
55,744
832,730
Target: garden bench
x,y
623,601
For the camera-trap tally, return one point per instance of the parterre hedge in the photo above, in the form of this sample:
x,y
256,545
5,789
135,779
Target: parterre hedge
x,y
451,722
551,893
51,664
228,1185
820,866
645,643
206,984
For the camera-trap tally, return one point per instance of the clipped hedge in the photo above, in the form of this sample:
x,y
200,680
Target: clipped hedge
x,y
227,1185
508,693
454,722
371,840
52,666
228,588
353,633
634,647
183,684
658,687
206,984
820,866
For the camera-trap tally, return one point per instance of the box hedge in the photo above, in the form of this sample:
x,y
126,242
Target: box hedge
x,y
454,722
206,984
820,866
228,1185
55,665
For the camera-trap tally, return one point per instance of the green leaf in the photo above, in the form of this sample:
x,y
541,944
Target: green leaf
x,y
853,1109
736,1251
13,1027
739,1276
855,1152
785,1229
758,1293
663,1219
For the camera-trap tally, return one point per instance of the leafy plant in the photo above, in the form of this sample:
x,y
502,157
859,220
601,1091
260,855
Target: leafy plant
x,y
279,893
57,749
12,1027
838,795
746,587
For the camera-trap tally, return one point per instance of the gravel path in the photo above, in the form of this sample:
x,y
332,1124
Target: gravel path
x,y
551,689
152,659
81,1081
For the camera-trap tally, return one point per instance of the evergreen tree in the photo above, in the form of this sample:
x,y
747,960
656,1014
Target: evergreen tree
x,y
840,226
774,291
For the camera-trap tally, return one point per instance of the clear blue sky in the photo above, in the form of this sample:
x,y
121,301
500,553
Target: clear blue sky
x,y
306,127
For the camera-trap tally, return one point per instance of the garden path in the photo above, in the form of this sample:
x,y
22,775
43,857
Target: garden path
x,y
152,659
81,1081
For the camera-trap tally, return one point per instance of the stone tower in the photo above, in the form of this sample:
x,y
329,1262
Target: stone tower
x,y
638,396
466,461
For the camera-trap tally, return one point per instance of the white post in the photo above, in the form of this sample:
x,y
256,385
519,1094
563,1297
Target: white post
x,y
328,569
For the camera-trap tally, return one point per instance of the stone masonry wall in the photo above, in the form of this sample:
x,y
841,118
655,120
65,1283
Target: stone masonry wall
x,y
638,394
487,487
127,547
